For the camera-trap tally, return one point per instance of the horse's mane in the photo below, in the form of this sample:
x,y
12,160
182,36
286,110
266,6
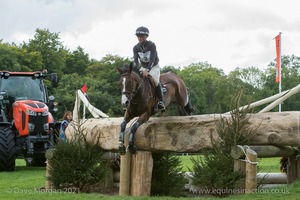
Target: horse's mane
x,y
126,69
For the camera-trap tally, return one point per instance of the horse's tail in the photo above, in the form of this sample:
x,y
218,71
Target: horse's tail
x,y
188,107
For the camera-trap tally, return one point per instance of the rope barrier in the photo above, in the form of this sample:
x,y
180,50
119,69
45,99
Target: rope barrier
x,y
247,159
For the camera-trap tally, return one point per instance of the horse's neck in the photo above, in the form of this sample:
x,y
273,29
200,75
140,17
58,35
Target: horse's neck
x,y
142,85
138,79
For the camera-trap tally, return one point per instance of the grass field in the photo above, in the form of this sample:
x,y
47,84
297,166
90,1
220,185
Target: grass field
x,y
264,165
28,183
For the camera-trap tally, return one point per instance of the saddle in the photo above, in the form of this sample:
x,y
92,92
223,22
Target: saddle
x,y
151,82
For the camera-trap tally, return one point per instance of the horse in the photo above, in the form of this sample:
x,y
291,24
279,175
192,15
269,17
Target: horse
x,y
139,99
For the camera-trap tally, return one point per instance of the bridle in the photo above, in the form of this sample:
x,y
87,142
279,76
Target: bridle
x,y
134,87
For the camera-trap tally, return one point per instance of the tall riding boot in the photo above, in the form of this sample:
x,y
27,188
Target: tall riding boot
x,y
160,104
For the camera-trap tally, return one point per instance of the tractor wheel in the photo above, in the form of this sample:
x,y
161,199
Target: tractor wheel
x,y
8,149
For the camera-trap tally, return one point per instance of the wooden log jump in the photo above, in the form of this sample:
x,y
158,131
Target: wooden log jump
x,y
243,161
191,133
185,134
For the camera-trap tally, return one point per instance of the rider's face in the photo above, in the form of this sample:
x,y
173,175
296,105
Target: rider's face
x,y
142,38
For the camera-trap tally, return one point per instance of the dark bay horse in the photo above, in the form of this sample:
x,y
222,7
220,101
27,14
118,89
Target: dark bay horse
x,y
139,99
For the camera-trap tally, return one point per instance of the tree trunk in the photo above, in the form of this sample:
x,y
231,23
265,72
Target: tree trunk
x,y
191,133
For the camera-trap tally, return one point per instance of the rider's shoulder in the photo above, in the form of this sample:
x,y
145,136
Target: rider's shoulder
x,y
150,43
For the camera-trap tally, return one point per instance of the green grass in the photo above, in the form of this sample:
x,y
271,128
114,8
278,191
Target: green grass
x,y
26,182
264,164
269,165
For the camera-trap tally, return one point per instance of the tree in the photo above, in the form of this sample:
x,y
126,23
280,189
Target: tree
x,y
251,75
106,82
8,58
13,58
65,92
201,78
290,77
77,62
51,49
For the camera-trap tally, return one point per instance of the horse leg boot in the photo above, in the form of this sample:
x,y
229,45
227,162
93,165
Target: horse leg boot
x,y
160,104
131,147
122,149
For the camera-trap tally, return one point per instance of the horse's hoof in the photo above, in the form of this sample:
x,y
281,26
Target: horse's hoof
x,y
122,149
131,149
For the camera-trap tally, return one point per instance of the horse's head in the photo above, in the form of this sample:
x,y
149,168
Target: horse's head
x,y
127,84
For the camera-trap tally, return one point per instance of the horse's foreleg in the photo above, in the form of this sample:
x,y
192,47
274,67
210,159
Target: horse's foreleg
x,y
122,148
131,146
142,119
132,133
122,132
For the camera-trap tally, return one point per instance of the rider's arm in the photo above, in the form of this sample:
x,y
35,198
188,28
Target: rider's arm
x,y
135,58
153,56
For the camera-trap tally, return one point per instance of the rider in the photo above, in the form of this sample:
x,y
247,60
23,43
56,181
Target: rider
x,y
145,52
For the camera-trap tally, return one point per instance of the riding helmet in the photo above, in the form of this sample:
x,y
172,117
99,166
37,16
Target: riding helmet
x,y
142,31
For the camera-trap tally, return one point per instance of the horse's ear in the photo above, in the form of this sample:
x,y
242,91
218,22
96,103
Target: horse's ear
x,y
120,70
130,67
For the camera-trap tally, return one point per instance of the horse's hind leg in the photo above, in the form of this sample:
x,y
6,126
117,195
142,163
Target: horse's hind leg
x,y
188,108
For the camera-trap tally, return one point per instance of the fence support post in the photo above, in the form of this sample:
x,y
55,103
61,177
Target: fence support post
x,y
48,155
251,171
125,164
291,170
298,167
141,173
240,166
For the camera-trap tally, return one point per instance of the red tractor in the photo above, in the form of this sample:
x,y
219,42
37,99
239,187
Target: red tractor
x,y
25,118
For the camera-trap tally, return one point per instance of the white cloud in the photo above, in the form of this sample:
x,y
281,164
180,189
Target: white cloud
x,y
225,33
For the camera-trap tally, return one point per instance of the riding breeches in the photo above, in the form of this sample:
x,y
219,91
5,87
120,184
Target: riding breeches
x,y
155,73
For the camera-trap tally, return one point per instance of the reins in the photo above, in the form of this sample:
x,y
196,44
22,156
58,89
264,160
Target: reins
x,y
135,89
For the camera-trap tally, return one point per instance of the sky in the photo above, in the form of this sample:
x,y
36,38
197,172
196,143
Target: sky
x,y
224,33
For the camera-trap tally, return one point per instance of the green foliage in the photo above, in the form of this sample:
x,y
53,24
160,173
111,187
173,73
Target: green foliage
x,y
13,58
214,170
211,90
77,163
77,61
167,177
50,48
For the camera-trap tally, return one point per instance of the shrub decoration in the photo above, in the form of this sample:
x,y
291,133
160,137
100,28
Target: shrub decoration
x,y
77,163
214,169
